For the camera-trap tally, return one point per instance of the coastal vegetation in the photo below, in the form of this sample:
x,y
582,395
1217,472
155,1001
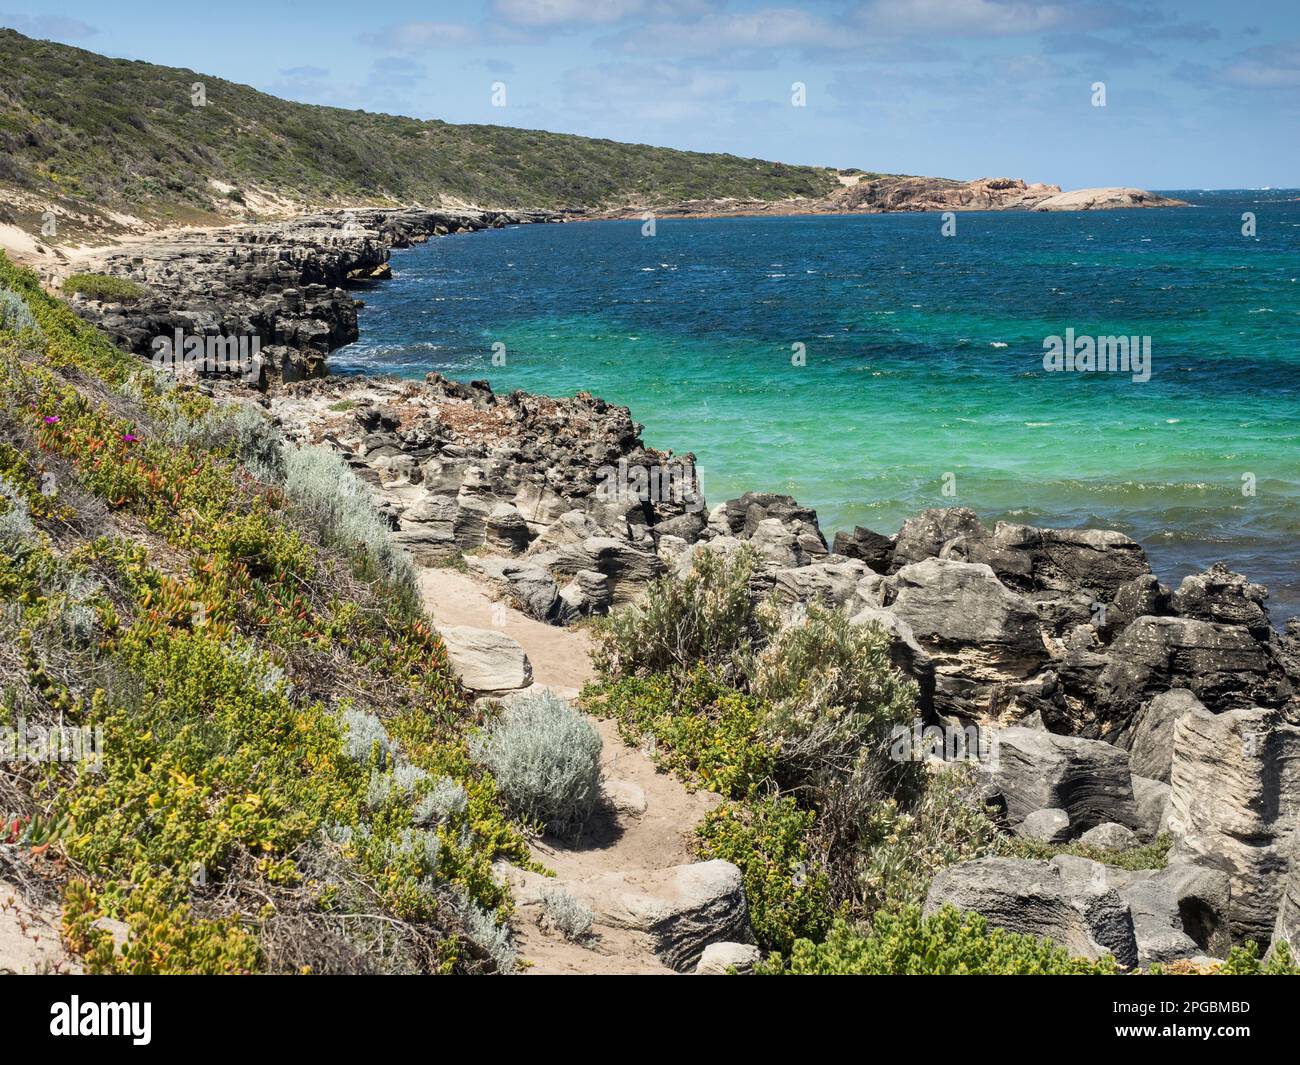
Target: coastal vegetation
x,y
83,129
283,778
102,287
788,720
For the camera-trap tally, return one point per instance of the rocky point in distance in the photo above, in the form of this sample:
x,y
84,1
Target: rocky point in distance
x,y
883,194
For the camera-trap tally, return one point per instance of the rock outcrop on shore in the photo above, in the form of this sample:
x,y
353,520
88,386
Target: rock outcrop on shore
x,y
1105,199
286,283
1013,620
1102,690
863,194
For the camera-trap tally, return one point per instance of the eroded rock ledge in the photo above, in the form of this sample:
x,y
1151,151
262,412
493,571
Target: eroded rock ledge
x,y
287,283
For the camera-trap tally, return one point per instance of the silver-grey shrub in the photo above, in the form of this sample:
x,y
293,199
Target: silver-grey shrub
x,y
490,935
361,733
545,756
257,443
16,528
239,429
443,801
15,314
566,914
330,496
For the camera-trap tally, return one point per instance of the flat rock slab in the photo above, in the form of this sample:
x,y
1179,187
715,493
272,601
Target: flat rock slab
x,y
683,908
30,943
487,661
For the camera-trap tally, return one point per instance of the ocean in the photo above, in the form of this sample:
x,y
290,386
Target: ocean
x,y
871,366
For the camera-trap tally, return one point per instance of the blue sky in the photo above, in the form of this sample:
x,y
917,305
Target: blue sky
x,y
1198,94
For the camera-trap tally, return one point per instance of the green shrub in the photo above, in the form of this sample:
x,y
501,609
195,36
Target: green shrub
x,y
1153,855
104,288
787,890
1245,961
830,692
903,849
697,726
546,759
706,616
189,615
949,942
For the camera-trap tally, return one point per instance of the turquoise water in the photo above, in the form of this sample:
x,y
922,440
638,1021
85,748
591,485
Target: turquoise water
x,y
924,360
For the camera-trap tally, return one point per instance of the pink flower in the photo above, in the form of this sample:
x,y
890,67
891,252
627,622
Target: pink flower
x,y
51,419
130,439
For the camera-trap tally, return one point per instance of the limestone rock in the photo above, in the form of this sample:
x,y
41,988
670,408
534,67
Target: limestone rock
x,y
719,959
1088,779
487,661
683,908
1235,804
1222,665
1152,799
982,638
1048,826
1033,898
1151,741
1202,896
1110,836
924,536
1223,596
872,548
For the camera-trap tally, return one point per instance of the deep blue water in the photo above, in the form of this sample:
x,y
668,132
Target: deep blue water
x,y
924,360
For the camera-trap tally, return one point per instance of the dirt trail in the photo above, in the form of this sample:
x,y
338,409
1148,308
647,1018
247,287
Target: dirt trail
x,y
656,837
29,936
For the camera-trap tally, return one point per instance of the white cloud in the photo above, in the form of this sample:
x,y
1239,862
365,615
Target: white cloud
x,y
646,92
760,29
566,12
419,36
967,17
1275,66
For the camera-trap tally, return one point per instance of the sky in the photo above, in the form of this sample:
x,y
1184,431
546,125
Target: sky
x,y
1197,94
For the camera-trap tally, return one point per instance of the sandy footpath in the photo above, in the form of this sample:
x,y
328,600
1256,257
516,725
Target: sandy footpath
x,y
624,839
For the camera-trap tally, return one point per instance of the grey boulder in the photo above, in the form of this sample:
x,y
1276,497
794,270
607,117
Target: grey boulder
x,y
719,959
1110,837
1088,779
1035,899
1047,826
683,908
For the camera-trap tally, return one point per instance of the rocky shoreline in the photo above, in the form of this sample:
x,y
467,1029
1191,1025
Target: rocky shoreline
x,y
290,284
286,289
1118,710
